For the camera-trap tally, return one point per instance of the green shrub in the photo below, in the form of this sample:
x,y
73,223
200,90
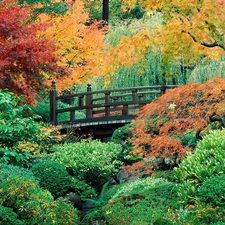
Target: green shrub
x,y
33,204
207,160
145,201
17,123
200,214
52,176
92,161
212,191
7,216
14,157
8,170
122,136
82,189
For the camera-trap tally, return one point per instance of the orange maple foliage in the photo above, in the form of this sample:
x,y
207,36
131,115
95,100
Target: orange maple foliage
x,y
79,44
190,29
187,109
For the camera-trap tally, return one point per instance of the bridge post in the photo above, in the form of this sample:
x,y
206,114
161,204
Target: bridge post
x,y
162,90
125,110
89,97
80,100
134,95
53,104
107,100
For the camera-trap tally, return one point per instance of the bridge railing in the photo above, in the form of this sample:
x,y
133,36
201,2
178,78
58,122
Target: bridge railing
x,y
103,104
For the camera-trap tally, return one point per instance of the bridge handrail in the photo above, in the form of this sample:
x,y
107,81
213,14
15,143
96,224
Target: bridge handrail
x,y
107,106
116,90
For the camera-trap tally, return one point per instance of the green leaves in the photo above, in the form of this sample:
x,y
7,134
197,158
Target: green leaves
x,y
89,160
207,160
16,121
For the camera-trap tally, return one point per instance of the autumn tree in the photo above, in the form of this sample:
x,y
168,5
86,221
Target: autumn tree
x,y
170,126
79,44
190,30
26,58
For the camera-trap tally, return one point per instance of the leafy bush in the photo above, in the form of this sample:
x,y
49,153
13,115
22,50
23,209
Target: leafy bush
x,y
145,201
8,170
33,204
83,189
7,216
207,160
17,123
14,157
212,191
52,176
92,161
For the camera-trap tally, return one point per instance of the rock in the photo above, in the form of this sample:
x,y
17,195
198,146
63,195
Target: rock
x,y
74,199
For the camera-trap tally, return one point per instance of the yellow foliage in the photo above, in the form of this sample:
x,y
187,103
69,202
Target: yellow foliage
x,y
191,29
79,46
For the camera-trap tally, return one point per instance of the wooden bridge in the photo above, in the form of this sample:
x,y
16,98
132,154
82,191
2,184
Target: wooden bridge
x,y
99,113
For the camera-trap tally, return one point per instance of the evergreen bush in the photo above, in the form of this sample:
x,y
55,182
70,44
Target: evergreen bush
x,y
7,170
206,161
52,176
212,191
8,217
145,201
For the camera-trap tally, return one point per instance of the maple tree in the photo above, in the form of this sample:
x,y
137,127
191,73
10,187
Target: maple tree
x,y
170,126
190,30
79,44
26,58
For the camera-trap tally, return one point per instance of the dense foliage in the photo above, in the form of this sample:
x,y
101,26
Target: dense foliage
x,y
144,201
52,176
91,161
17,125
189,31
170,126
167,167
26,58
206,161
31,203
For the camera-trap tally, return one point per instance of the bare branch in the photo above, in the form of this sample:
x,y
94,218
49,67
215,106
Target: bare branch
x,y
209,45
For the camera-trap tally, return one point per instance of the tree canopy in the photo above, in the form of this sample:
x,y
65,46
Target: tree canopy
x,y
38,46
190,30
26,58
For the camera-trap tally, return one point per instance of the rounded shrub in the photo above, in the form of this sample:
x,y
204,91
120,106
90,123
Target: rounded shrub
x,y
7,216
212,191
145,201
92,161
33,204
52,176
207,160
